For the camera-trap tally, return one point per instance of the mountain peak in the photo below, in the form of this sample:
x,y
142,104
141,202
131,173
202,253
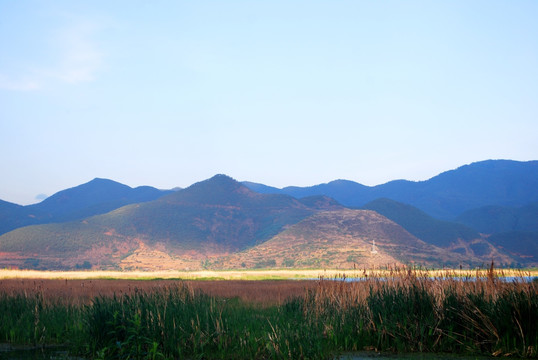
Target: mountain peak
x,y
217,189
98,179
222,178
97,196
224,182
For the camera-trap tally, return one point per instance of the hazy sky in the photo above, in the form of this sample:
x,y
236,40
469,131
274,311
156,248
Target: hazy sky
x,y
168,93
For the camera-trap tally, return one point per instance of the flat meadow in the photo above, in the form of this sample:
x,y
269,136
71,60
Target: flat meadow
x,y
271,314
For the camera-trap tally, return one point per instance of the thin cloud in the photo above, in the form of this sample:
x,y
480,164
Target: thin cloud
x,y
78,60
81,58
18,84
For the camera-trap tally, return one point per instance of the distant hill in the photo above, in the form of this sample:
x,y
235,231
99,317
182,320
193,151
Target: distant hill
x,y
13,216
521,245
98,196
344,239
499,219
455,237
320,202
346,192
210,218
445,196
433,231
492,182
221,212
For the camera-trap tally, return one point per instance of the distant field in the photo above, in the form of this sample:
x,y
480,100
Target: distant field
x,y
183,275
248,274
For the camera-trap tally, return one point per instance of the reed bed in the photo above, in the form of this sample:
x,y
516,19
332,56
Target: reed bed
x,y
405,311
411,311
78,292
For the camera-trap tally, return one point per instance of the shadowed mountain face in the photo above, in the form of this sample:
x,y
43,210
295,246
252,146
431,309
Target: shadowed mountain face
x,y
491,182
13,216
522,246
436,232
514,230
454,237
346,192
497,219
98,196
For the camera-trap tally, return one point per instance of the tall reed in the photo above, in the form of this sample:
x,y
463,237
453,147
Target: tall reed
x,y
410,311
405,311
177,323
30,319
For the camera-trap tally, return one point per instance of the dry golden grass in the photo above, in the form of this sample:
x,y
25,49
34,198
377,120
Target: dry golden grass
x,y
185,275
252,274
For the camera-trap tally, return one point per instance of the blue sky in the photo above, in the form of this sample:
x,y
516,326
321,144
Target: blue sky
x,y
168,93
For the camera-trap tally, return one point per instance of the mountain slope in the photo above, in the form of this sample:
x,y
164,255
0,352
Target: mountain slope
x,y
208,219
98,196
436,232
455,237
521,245
492,182
13,216
344,239
497,219
219,211
445,196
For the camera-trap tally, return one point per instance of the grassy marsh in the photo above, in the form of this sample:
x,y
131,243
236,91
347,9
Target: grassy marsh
x,y
404,311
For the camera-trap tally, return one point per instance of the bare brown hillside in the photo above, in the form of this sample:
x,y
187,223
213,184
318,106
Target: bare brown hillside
x,y
341,239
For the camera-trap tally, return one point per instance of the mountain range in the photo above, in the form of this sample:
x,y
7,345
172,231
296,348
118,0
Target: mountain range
x,y
468,216
445,196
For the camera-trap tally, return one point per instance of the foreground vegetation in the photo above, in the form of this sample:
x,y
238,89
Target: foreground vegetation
x,y
405,311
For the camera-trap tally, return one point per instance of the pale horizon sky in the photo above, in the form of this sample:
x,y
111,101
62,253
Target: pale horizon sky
x,y
283,93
